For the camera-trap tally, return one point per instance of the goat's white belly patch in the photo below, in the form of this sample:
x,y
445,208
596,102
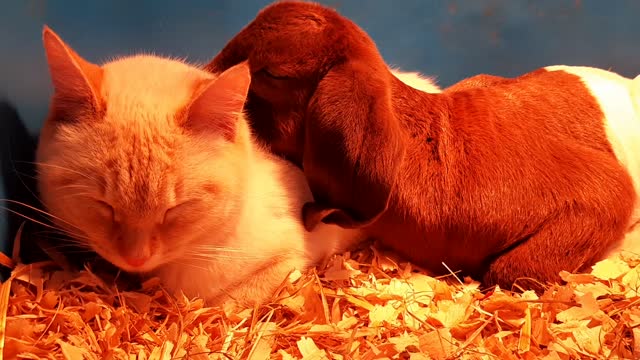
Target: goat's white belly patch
x,y
619,100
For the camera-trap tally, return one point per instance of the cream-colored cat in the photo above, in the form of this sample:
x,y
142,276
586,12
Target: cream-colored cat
x,y
150,162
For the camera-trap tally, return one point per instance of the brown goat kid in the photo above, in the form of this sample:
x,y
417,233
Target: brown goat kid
x,y
501,178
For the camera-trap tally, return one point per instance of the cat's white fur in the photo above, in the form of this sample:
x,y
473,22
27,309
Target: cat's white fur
x,y
241,243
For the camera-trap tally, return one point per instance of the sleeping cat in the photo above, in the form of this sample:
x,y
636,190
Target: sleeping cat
x,y
150,162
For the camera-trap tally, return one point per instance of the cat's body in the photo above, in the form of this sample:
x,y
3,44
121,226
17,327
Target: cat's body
x,y
150,162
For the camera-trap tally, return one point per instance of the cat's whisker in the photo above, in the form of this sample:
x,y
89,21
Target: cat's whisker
x,y
71,250
189,264
64,235
60,230
27,217
216,250
200,248
52,231
22,175
63,238
58,236
73,238
200,228
219,249
77,252
233,257
43,212
74,186
229,257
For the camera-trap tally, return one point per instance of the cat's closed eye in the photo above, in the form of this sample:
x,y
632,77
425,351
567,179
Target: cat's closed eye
x,y
173,213
105,210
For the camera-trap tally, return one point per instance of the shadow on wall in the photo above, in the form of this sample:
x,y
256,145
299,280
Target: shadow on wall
x,y
17,154
450,39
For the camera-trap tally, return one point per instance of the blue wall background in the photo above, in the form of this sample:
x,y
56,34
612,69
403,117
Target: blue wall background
x,y
449,39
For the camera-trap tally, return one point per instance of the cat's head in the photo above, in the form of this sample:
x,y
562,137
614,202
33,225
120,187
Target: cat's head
x,y
142,158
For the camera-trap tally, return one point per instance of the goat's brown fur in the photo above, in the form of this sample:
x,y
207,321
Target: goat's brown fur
x,y
499,177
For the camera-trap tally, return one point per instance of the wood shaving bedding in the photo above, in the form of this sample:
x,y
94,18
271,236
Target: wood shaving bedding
x,y
361,305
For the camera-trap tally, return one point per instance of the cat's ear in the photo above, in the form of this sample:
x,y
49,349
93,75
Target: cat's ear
x,y
217,108
75,80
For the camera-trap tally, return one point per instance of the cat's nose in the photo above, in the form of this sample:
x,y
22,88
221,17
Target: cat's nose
x,y
135,246
136,261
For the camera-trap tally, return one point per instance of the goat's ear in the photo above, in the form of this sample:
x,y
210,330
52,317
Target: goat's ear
x,y
354,146
235,51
